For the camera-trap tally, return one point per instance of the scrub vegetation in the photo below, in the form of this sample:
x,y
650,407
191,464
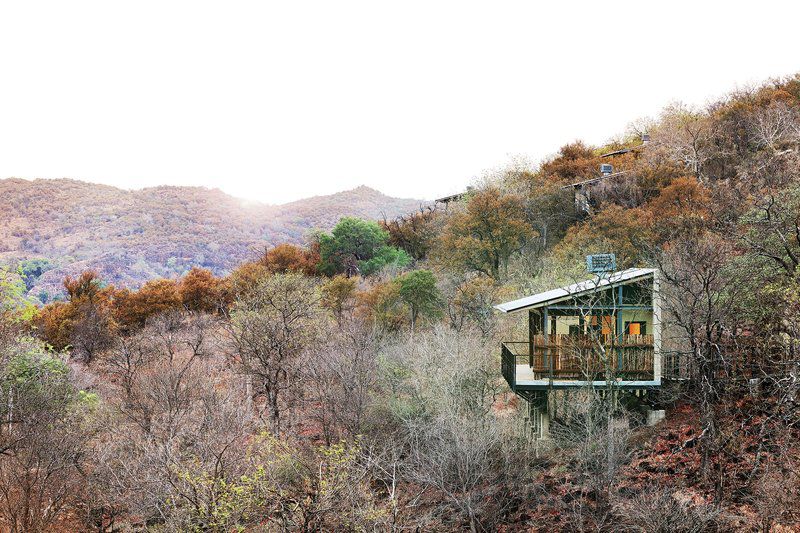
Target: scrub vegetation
x,y
350,380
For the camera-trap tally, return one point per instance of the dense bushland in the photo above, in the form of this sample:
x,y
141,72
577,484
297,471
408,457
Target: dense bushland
x,y
354,384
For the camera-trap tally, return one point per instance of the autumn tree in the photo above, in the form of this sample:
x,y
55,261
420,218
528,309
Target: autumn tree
x,y
574,162
244,278
624,232
200,290
468,302
133,308
682,206
85,321
54,324
380,304
415,233
486,234
550,211
286,257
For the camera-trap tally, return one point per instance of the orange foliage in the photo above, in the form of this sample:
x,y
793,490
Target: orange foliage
x,y
680,208
55,322
413,233
381,305
278,260
624,232
87,285
289,258
487,233
201,291
574,162
245,277
94,313
132,309
685,198
84,321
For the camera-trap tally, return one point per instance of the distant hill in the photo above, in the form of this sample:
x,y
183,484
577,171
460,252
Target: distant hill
x,y
133,236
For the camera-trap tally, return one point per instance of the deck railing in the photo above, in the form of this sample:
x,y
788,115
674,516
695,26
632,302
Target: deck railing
x,y
509,359
584,357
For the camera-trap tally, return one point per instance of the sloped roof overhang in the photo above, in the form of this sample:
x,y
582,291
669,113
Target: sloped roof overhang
x,y
569,292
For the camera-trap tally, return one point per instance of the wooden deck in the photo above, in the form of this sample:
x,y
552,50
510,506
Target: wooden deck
x,y
570,361
526,379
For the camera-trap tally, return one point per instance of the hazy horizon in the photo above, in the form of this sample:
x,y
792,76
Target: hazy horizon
x,y
275,103
212,188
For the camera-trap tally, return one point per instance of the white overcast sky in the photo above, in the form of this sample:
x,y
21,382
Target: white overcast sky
x,y
275,101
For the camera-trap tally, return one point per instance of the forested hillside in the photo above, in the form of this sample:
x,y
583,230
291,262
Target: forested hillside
x,y
353,382
66,226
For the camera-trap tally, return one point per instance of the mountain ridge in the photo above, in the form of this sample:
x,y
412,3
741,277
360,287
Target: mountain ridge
x,y
132,235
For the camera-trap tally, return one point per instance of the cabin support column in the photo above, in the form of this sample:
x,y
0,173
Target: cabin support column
x,y
539,415
548,362
535,327
619,332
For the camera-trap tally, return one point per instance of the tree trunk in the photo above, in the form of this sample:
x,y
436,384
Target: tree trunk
x,y
274,413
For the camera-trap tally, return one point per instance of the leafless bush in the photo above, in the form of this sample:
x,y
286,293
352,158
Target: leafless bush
x,y
592,433
662,511
271,327
343,378
467,460
442,388
776,494
177,422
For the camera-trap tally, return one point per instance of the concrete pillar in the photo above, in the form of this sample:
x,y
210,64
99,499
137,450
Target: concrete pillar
x,y
540,422
544,424
539,415
654,416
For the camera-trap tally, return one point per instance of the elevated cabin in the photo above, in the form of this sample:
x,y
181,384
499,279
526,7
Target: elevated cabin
x,y
601,332
447,200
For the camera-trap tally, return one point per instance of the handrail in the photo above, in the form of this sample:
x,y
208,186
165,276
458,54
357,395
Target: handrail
x,y
509,366
509,360
581,357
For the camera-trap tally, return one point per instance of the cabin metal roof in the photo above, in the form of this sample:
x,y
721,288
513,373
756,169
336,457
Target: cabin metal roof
x,y
455,197
597,179
617,152
589,286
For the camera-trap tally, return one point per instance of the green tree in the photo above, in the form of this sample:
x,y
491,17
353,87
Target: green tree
x,y
13,301
357,245
32,269
338,295
44,437
418,290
